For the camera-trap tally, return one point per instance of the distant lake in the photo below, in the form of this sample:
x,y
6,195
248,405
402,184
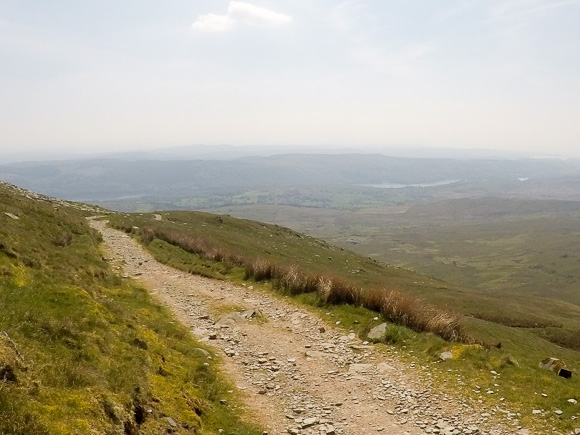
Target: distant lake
x,y
400,186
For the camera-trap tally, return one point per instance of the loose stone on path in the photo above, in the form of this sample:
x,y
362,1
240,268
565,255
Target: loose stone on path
x,y
297,373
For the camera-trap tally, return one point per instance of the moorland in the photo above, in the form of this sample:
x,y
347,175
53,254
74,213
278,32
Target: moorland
x,y
494,241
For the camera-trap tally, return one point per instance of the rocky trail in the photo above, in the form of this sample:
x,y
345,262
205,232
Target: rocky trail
x,y
296,373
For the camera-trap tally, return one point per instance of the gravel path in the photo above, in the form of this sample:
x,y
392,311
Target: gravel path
x,y
296,373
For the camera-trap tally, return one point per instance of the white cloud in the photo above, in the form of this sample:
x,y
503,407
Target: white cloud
x,y
240,14
213,23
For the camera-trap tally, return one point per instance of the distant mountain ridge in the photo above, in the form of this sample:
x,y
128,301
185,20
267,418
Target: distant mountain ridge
x,y
228,152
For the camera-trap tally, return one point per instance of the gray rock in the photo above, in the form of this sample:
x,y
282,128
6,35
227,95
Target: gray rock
x,y
446,355
553,364
384,368
360,368
230,319
309,422
200,351
171,422
378,332
251,314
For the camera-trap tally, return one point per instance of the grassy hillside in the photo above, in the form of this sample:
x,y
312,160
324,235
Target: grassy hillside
x,y
558,320
517,258
83,351
516,322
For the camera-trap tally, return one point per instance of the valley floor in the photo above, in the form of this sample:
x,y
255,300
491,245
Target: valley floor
x,y
296,372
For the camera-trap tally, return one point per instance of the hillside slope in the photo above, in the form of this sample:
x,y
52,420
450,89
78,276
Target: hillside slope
x,y
513,328
286,247
83,350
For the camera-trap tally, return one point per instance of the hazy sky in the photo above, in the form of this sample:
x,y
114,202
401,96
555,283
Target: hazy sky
x,y
111,75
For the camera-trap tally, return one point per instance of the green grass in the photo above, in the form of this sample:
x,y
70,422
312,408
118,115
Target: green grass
x,y
522,381
87,352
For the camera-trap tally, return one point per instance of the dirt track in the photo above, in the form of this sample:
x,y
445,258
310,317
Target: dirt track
x,y
296,373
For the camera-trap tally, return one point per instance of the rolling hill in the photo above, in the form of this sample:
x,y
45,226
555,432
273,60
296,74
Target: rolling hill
x,y
99,180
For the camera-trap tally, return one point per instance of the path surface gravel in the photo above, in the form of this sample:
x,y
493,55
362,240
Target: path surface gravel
x,y
296,373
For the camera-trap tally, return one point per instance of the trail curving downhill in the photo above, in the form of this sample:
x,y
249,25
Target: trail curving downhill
x,y
296,373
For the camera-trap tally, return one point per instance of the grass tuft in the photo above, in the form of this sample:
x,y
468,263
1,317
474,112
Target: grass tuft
x,y
396,334
295,282
261,270
336,291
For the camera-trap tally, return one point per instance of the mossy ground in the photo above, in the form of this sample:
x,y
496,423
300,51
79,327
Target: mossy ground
x,y
87,351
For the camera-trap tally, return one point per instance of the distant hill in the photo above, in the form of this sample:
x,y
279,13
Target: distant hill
x,y
107,179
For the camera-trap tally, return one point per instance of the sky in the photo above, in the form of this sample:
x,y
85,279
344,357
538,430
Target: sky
x,y
94,76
